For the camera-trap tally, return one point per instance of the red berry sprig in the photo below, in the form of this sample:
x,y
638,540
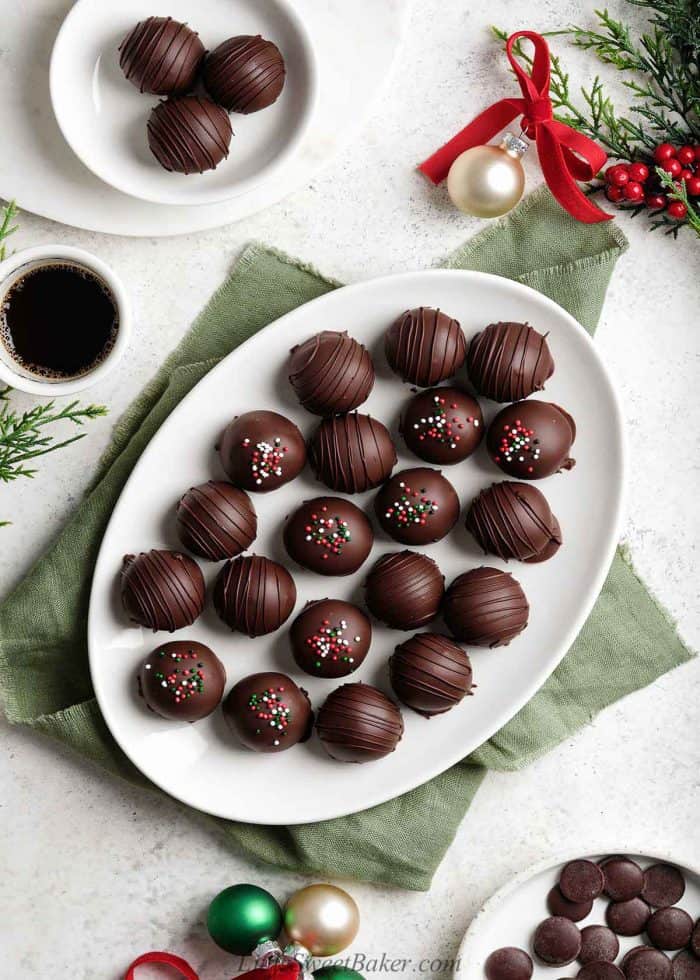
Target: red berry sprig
x,y
637,183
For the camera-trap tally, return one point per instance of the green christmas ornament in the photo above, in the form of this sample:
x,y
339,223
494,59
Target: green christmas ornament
x,y
337,973
241,917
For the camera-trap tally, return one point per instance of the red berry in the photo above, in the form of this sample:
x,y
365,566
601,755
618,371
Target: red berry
x,y
672,167
664,151
638,171
677,209
614,194
686,155
633,191
692,185
696,150
617,175
685,174
655,201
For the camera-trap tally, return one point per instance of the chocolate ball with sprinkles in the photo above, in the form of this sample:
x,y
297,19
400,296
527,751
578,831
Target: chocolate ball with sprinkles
x,y
268,712
442,425
425,346
328,535
261,451
182,680
531,439
162,590
508,361
330,638
417,506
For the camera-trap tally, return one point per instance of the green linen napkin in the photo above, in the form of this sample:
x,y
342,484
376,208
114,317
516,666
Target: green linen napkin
x,y
626,643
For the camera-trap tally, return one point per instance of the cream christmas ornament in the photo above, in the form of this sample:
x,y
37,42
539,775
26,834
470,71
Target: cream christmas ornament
x,y
487,181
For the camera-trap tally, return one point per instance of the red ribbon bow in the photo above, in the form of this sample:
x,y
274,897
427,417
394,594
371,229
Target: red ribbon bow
x,y
565,155
283,971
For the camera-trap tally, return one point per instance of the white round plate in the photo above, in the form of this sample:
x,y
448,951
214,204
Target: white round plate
x,y
511,915
103,116
201,764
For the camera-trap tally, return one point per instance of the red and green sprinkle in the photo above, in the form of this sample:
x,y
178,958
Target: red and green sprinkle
x,y
329,643
329,533
443,425
182,681
271,709
412,507
518,444
266,459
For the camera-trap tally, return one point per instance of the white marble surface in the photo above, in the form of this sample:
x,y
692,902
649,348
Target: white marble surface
x,y
93,872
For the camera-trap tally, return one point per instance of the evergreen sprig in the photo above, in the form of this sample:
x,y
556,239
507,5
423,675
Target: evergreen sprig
x,y
9,213
662,74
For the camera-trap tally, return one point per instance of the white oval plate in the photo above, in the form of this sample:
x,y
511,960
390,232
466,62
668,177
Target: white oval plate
x,y
201,764
103,116
511,915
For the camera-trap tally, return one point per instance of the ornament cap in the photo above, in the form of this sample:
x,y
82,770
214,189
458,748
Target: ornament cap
x,y
514,146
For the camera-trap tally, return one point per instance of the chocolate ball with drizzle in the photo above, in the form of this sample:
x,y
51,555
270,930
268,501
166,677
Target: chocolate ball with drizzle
x,y
216,520
425,346
352,453
508,361
514,520
331,373
161,56
430,673
261,451
182,680
358,723
485,607
404,590
330,638
442,425
244,73
189,135
254,595
162,590
268,712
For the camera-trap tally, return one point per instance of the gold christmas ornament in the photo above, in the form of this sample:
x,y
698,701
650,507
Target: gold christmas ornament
x,y
322,918
487,181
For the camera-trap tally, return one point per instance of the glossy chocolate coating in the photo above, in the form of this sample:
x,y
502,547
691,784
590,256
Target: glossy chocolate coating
x,y
216,520
430,673
532,439
328,535
404,590
268,712
331,373
417,506
161,56
245,73
357,723
486,607
508,361
182,680
513,520
330,638
425,346
254,595
442,425
162,590
352,453
261,451
189,135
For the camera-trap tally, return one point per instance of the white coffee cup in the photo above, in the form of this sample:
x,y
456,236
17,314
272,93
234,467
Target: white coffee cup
x,y
14,374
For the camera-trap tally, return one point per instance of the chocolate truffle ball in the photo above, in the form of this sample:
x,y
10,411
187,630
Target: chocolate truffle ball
x,y
513,520
442,425
328,535
262,451
352,453
331,373
182,680
404,590
254,595
268,712
486,607
508,361
358,723
425,346
245,73
532,439
330,638
430,673
161,56
417,506
162,590
216,520
189,135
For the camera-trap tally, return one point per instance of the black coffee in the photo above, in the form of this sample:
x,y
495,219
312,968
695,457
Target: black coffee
x,y
58,321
